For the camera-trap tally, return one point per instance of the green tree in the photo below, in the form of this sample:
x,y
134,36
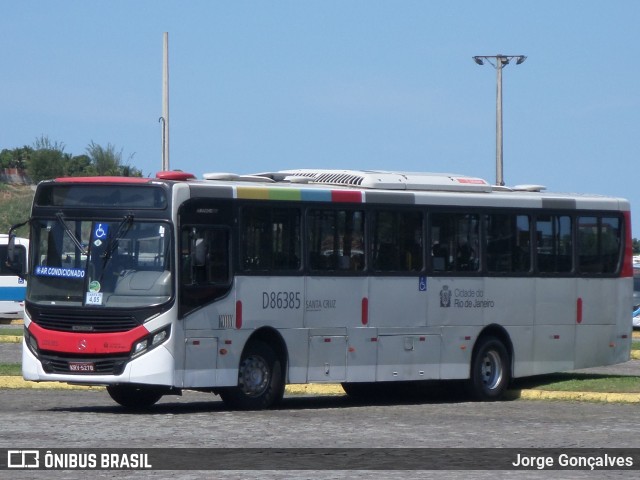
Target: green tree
x,y
108,161
16,158
6,157
47,160
79,166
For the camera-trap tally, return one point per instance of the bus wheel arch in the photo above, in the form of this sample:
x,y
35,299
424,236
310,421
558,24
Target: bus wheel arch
x,y
261,373
491,367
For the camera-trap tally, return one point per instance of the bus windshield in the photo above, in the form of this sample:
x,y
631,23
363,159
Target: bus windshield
x,y
113,263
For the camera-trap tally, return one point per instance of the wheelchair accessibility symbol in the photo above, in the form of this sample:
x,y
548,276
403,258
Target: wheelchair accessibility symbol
x,y
422,284
100,231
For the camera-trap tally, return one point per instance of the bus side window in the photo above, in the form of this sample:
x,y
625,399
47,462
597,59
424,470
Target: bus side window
x,y
599,244
270,239
396,241
14,265
554,245
205,256
336,240
455,240
508,247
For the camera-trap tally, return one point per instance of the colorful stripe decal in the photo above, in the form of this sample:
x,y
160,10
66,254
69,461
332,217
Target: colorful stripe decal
x,y
346,196
262,193
316,195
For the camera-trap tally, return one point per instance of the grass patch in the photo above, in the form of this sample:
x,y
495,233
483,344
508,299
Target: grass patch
x,y
581,382
11,332
12,369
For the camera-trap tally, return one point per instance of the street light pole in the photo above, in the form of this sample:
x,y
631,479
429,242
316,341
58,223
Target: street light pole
x,y
499,62
165,102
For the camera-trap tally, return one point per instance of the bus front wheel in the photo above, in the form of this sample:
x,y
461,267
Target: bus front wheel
x,y
490,370
134,396
260,379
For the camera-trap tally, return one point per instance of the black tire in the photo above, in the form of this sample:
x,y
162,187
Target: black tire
x,y
490,370
134,396
260,380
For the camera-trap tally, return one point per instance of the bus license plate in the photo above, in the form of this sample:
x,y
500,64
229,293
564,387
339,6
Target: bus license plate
x,y
82,367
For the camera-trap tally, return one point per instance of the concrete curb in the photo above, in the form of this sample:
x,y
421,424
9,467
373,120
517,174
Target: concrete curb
x,y
10,338
580,396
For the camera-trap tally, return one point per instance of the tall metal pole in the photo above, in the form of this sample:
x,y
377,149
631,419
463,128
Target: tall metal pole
x,y
165,103
499,176
499,62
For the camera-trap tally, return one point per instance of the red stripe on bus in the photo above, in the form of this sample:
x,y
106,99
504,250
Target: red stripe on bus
x,y
86,342
238,314
365,311
347,196
106,179
627,265
579,310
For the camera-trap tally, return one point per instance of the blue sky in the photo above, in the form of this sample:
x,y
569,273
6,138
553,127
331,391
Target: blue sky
x,y
363,84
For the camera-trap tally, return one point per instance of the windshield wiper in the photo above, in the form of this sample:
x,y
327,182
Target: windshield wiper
x,y
70,234
123,229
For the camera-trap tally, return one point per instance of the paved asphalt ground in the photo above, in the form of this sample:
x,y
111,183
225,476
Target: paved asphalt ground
x,y
11,351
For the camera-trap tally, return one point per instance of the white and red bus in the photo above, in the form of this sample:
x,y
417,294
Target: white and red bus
x,y
239,285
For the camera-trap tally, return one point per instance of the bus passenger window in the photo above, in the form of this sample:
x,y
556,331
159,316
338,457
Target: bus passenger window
x,y
508,248
396,241
599,244
455,239
336,240
554,245
270,239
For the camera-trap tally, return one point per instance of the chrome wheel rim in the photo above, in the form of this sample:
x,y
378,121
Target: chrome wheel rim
x,y
491,369
254,376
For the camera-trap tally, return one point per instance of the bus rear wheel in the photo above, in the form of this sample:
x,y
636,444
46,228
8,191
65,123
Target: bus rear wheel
x,y
490,370
260,380
134,396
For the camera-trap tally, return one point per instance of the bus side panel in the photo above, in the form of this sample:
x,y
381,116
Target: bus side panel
x,y
397,302
553,347
327,356
297,344
522,342
453,301
408,356
271,301
508,301
624,326
555,301
595,345
277,302
599,299
457,348
334,301
601,323
362,354
555,324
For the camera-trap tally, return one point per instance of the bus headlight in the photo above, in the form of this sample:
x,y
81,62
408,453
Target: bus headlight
x,y
151,341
